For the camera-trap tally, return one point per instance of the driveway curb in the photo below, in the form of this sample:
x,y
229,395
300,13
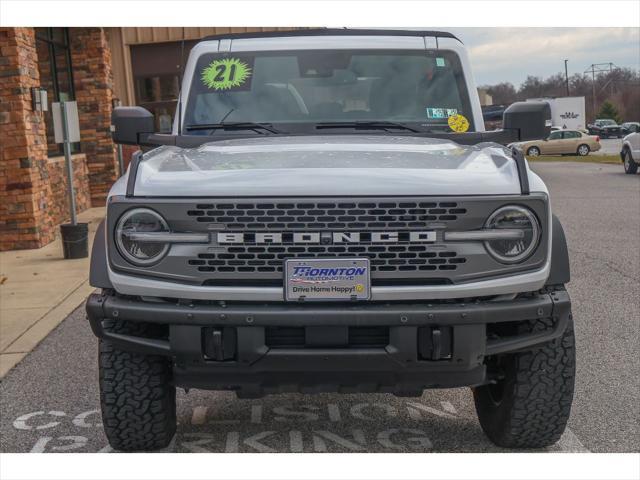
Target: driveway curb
x,y
31,337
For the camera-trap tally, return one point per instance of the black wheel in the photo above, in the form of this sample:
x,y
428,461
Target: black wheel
x,y
529,407
533,152
583,150
630,166
137,398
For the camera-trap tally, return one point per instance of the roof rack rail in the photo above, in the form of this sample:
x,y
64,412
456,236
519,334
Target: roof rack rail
x,y
314,32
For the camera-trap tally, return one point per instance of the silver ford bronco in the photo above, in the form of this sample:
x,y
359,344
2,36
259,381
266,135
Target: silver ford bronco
x,y
330,215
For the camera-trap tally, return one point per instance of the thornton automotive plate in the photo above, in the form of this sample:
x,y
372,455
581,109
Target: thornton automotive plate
x,y
327,279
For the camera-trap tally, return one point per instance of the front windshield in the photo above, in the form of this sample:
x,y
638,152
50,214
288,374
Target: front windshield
x,y
307,88
606,122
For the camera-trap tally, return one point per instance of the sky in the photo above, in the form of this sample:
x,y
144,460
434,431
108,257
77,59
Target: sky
x,y
511,54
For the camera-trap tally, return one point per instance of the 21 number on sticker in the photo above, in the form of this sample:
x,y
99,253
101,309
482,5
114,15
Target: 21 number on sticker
x,y
222,70
226,74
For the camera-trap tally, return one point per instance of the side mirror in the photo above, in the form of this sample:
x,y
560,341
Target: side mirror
x,y
129,125
532,120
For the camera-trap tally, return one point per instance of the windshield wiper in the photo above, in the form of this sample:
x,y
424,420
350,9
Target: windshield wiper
x,y
368,125
234,126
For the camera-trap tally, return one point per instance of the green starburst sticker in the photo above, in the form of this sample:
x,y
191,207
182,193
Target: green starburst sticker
x,y
226,74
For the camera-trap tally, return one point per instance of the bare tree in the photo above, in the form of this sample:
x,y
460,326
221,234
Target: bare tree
x,y
502,94
620,86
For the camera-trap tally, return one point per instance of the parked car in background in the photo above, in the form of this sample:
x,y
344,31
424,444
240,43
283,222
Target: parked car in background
x,y
561,142
630,127
605,128
555,128
630,153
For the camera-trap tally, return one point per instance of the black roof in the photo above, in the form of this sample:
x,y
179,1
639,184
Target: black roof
x,y
315,32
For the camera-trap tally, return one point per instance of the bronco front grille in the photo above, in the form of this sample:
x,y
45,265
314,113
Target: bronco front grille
x,y
335,215
384,258
245,260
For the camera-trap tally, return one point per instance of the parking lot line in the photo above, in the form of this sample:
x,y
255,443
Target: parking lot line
x,y
570,443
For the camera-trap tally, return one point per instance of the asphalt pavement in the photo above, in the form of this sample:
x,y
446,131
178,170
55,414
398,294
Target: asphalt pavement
x,y
50,401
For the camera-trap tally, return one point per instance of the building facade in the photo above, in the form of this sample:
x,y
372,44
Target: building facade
x,y
98,68
71,64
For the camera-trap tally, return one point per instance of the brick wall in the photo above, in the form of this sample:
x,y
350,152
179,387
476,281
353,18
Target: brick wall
x,y
33,196
59,207
127,153
24,184
93,82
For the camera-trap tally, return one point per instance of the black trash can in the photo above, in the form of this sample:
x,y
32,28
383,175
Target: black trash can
x,y
75,240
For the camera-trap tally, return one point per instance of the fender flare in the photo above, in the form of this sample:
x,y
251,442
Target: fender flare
x,y
560,269
98,270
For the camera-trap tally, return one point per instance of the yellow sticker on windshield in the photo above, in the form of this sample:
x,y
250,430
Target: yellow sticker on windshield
x,y
226,74
458,123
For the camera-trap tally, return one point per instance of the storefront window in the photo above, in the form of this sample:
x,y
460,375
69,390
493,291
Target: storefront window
x,y
156,72
159,95
56,76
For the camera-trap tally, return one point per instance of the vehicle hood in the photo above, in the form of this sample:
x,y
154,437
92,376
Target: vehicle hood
x,y
331,165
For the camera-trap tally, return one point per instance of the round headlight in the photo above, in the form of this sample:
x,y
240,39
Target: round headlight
x,y
135,248
513,218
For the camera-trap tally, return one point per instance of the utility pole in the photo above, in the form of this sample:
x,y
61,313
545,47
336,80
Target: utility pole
x,y
611,77
593,94
69,163
566,75
598,68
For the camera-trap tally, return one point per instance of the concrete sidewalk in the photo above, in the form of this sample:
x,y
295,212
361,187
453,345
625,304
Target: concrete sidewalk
x,y
39,289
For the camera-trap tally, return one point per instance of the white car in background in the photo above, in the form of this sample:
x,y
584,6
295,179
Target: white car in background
x,y
630,153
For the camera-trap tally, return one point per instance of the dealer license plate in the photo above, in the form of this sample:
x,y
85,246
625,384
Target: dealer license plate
x,y
327,279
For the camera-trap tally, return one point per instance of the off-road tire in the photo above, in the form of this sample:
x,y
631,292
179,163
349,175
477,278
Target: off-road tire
x,y
583,152
137,398
537,392
630,166
533,152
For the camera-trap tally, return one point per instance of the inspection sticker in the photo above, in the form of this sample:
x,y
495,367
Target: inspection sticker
x,y
227,74
458,123
441,113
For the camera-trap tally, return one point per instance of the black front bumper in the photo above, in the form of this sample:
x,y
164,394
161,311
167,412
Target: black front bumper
x,y
391,347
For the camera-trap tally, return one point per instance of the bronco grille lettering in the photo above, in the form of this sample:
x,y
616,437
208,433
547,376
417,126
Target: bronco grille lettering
x,y
317,238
